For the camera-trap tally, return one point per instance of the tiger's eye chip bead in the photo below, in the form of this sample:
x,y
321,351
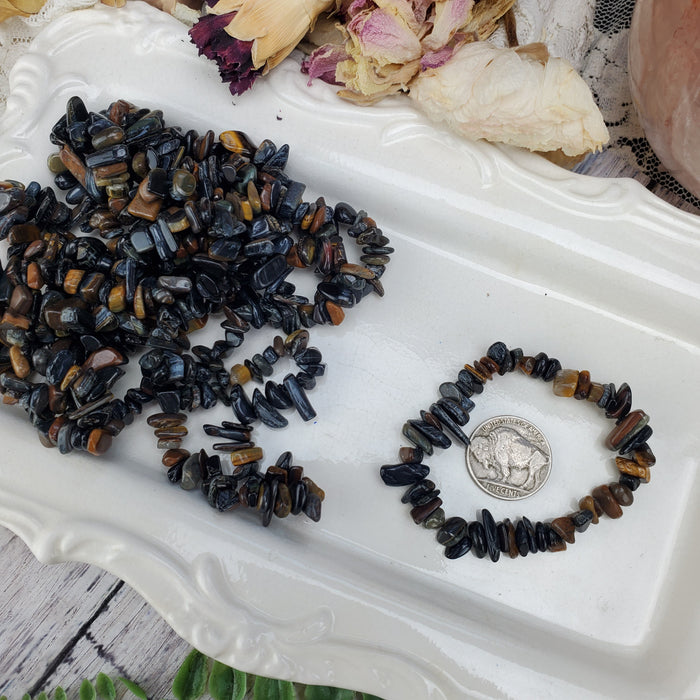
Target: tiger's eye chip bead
x,y
632,468
506,538
583,385
592,506
626,429
621,493
483,535
565,382
564,527
607,501
99,441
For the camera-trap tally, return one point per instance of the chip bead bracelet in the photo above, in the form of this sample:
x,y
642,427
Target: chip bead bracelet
x,y
450,413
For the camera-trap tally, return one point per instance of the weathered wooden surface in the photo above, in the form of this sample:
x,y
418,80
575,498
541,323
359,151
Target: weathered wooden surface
x,y
65,622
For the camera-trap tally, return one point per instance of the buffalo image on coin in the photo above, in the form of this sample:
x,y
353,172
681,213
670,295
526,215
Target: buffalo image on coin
x,y
509,457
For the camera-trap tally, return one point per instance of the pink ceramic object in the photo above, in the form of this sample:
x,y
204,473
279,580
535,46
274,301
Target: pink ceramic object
x,y
664,68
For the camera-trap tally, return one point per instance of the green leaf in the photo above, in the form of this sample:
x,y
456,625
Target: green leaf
x,y
191,678
26,696
59,694
137,690
3,697
87,690
269,689
41,696
324,692
226,683
105,687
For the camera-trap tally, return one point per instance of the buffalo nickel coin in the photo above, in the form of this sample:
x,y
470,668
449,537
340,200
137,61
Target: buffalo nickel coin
x,y
509,457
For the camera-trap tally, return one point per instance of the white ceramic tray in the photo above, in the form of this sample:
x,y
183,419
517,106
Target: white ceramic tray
x,y
491,244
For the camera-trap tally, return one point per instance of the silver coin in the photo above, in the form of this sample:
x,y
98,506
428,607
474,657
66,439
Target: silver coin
x,y
509,457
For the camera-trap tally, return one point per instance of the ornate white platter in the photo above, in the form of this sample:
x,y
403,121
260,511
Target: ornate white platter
x,y
491,244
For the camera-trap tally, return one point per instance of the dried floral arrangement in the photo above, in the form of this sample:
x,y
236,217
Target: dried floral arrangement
x,y
434,51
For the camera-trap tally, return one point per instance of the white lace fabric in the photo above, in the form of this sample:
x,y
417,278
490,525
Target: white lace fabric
x,y
590,34
16,33
565,27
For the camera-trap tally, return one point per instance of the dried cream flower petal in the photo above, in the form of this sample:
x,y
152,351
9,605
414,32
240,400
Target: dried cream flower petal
x,y
484,18
498,94
413,13
275,26
224,6
383,36
366,82
7,10
450,16
29,6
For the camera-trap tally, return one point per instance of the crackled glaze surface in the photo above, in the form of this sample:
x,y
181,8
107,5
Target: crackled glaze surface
x,y
491,244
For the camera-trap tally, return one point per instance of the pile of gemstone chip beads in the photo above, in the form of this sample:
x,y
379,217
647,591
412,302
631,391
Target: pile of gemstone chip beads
x,y
177,227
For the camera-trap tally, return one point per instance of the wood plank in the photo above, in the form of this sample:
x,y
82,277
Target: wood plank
x,y
41,609
64,622
127,638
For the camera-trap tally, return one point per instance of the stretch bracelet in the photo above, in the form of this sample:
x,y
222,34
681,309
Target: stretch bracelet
x,y
450,413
